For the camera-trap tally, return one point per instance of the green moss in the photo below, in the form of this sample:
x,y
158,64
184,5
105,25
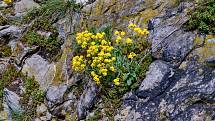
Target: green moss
x,y
5,51
50,47
202,18
34,95
51,10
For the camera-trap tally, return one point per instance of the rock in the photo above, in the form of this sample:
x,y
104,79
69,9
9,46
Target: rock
x,y
169,42
155,82
11,103
188,96
24,5
54,94
12,100
210,61
37,67
3,66
87,99
41,109
8,33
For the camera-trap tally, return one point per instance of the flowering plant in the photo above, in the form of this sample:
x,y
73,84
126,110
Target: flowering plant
x,y
111,61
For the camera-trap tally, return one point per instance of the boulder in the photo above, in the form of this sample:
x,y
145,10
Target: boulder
x,y
87,99
24,5
156,81
42,70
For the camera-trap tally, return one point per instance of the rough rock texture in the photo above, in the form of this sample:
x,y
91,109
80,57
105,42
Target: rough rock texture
x,y
87,99
179,85
8,33
169,41
155,82
39,68
54,94
24,6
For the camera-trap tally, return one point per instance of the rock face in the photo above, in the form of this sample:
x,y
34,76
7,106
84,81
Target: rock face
x,y
179,85
37,67
155,82
87,99
24,6
169,42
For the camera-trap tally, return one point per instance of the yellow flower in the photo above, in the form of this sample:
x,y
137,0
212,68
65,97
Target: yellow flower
x,y
118,39
112,68
113,58
132,55
129,41
116,81
8,1
122,33
116,33
131,25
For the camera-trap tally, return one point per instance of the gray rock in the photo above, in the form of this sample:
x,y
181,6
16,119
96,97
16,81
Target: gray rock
x,y
87,99
11,103
169,41
43,71
24,5
187,97
54,94
9,33
210,61
155,82
41,109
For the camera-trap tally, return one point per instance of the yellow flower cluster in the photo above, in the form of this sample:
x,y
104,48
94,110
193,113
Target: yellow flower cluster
x,y
8,1
139,31
85,37
119,37
78,63
132,55
98,53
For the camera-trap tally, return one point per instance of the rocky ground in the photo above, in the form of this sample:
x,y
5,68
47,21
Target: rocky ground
x,y
179,85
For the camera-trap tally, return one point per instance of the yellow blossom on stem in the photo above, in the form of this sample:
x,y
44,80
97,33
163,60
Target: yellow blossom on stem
x,y
132,55
116,81
129,41
116,33
131,25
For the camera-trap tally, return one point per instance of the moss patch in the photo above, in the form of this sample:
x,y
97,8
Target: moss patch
x,y
3,21
202,18
5,51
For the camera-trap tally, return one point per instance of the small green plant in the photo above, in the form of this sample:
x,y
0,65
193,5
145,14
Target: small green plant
x,y
117,63
3,21
51,10
5,51
203,18
43,19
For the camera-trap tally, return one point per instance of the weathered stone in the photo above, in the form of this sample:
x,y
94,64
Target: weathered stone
x,y
155,82
37,67
87,99
9,33
54,94
210,61
24,5
169,42
41,109
189,95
